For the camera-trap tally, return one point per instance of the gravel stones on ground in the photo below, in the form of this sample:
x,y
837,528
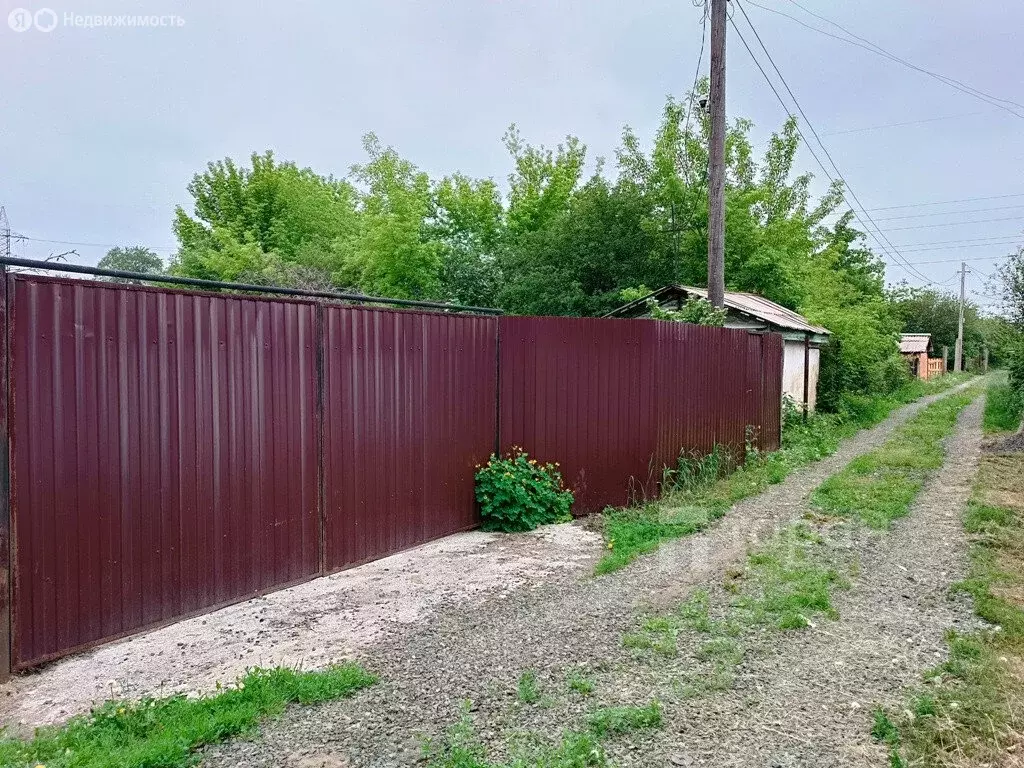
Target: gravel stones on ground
x,y
800,698
322,621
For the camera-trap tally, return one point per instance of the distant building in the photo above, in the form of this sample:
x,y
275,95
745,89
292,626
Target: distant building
x,y
915,349
801,340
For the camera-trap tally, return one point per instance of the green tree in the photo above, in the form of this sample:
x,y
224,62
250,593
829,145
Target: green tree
x,y
391,252
249,222
580,259
468,221
542,182
133,258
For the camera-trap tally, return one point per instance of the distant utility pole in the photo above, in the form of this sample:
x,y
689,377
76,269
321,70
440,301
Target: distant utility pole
x,y
5,233
958,355
716,158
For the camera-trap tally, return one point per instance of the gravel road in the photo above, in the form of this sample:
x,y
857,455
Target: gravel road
x,y
799,698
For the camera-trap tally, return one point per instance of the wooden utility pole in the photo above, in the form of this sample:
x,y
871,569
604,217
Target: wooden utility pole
x,y
958,354
716,158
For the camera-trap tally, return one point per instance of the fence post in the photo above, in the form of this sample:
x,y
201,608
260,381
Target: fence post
x,y
321,501
6,540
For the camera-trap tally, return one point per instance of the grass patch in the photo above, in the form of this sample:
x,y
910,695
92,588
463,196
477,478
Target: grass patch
x,y
785,585
879,487
460,747
970,710
789,582
579,683
615,721
695,492
528,690
163,733
1003,408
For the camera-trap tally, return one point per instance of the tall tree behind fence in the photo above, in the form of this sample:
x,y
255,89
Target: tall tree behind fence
x,y
171,452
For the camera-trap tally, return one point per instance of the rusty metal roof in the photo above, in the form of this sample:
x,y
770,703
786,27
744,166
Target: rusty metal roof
x,y
747,303
914,343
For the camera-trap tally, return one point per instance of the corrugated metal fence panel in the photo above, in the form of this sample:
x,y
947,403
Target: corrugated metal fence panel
x,y
409,410
164,452
617,402
581,391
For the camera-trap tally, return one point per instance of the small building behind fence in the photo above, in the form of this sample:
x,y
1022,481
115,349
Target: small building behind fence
x,y
802,341
915,348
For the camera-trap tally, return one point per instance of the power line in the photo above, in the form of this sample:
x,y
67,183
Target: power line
x,y
878,51
954,223
953,213
958,247
957,242
943,78
696,74
957,261
880,236
94,245
947,202
900,125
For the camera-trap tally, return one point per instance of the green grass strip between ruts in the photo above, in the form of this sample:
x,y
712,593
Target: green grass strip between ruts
x,y
696,495
163,733
968,710
878,487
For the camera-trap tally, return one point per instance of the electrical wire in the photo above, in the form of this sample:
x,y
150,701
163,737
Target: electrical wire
x,y
900,125
930,73
947,202
958,247
91,245
957,261
878,51
880,237
696,78
953,213
955,223
958,242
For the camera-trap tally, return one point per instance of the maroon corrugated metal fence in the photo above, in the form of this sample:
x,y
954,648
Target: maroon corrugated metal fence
x,y
170,451
163,457
409,399
615,402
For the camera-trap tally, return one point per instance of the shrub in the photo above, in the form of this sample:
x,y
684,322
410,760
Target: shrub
x,y
517,493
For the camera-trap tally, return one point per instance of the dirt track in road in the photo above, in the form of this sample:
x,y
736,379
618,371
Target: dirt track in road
x,y
797,700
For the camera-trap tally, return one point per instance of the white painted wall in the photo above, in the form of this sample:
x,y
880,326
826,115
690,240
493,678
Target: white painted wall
x,y
793,372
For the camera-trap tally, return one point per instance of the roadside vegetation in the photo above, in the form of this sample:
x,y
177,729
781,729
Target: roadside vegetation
x,y
1004,407
164,733
878,487
788,584
699,490
582,748
969,710
518,493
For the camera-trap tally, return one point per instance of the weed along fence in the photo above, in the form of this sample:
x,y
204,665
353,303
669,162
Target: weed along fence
x,y
169,452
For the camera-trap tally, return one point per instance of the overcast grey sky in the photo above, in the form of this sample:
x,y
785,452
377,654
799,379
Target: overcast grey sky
x,y
103,127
